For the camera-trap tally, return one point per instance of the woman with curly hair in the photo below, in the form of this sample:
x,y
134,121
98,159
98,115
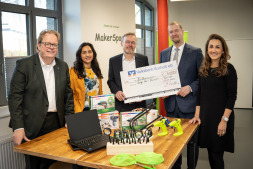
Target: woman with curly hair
x,y
85,77
215,101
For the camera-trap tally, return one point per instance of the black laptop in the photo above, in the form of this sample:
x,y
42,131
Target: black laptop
x,y
85,132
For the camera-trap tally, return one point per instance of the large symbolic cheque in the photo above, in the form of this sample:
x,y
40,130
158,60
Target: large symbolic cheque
x,y
150,82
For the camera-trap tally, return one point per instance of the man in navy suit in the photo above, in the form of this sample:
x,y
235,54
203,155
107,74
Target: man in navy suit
x,y
182,105
125,61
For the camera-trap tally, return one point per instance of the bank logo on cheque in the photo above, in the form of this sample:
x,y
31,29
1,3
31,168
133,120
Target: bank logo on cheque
x,y
131,73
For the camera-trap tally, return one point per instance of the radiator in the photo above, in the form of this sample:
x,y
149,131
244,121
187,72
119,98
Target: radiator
x,y
8,158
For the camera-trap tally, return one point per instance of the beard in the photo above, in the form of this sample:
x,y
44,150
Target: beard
x,y
129,50
175,40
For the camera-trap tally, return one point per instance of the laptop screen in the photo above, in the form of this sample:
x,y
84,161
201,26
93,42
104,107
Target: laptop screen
x,y
83,125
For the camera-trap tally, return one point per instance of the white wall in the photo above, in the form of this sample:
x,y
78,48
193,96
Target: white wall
x,y
4,121
233,19
243,49
72,30
110,17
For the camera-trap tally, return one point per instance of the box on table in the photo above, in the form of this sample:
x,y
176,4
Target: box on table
x,y
126,118
152,115
103,103
109,120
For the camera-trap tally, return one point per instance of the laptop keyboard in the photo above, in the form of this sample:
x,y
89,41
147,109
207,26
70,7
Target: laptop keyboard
x,y
92,140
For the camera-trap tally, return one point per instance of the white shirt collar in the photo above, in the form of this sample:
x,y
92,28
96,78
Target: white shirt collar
x,y
124,58
181,48
43,64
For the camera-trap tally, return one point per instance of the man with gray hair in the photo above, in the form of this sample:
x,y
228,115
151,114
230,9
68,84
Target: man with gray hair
x,y
128,60
40,95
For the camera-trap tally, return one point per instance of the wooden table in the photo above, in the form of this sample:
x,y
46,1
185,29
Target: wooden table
x,y
54,146
169,146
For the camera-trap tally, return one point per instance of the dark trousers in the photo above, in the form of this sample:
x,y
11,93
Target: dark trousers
x,y
122,107
216,159
33,162
51,123
192,148
130,106
75,166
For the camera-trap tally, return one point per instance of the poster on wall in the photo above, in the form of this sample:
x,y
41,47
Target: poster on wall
x,y
105,28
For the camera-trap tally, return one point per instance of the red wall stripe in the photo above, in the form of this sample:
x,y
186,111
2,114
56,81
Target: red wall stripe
x,y
163,42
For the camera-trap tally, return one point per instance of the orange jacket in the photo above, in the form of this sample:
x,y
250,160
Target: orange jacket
x,y
78,88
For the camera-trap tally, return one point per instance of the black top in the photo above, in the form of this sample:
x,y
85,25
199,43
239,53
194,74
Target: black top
x,y
215,94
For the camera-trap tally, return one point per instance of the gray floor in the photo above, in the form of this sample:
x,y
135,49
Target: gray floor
x,y
242,158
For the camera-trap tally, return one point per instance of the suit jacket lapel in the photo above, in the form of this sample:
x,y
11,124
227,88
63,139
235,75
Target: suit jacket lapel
x,y
184,57
137,61
57,78
39,73
169,54
120,64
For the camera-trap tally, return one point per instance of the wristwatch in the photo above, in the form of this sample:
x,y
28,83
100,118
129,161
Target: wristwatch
x,y
225,118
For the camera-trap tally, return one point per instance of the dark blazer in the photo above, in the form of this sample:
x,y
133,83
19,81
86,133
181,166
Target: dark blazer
x,y
115,67
188,69
28,102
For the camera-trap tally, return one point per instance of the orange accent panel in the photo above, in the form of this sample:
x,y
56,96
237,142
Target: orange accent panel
x,y
163,41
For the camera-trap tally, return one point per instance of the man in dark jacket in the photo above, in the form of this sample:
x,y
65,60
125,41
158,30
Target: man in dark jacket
x,y
40,95
125,61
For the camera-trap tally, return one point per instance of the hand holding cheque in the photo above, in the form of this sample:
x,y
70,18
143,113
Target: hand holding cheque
x,y
120,96
183,92
150,82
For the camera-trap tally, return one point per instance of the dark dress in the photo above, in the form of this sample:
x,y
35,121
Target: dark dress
x,y
214,95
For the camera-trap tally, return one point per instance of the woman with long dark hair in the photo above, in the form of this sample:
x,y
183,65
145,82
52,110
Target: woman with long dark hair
x,y
85,77
215,101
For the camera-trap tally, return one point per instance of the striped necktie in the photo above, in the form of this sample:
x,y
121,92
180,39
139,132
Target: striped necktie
x,y
176,55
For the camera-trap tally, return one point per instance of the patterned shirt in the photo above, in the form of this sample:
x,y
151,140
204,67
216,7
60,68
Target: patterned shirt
x,y
91,85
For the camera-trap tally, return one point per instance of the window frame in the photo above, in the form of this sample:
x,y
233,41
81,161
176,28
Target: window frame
x,y
31,12
144,27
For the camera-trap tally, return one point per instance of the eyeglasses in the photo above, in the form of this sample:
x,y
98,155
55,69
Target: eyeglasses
x,y
128,42
50,45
